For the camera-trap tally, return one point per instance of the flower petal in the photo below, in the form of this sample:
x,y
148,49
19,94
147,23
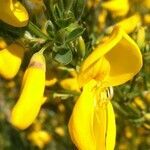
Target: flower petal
x,y
128,24
125,60
11,57
111,128
28,106
13,13
117,7
81,121
123,55
98,71
92,120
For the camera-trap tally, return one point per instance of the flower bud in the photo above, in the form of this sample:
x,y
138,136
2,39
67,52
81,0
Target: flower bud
x,y
81,46
31,98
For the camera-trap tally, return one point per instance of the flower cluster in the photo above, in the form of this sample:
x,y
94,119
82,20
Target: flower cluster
x,y
64,54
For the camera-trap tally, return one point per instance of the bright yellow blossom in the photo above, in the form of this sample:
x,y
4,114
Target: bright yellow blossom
x,y
92,123
31,98
13,13
10,59
117,7
40,138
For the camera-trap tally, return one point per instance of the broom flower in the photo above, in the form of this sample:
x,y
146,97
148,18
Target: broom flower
x,y
115,61
92,122
13,13
10,59
31,98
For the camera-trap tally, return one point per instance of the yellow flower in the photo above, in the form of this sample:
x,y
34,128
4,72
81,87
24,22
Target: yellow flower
x,y
128,24
31,98
115,61
40,138
117,7
146,3
10,59
92,123
13,13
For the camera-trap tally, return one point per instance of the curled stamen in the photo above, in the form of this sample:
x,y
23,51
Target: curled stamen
x,y
110,92
103,94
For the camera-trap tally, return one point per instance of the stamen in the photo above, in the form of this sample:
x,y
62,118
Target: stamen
x,y
103,94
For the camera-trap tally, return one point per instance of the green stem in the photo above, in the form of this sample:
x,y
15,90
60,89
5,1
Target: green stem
x,y
34,29
45,47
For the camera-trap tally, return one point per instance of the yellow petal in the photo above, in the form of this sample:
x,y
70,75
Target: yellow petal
x,y
123,55
11,57
51,82
125,60
92,120
70,84
13,13
128,24
81,120
31,98
111,128
117,7
98,71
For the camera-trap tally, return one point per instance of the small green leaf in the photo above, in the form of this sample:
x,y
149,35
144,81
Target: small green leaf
x,y
64,56
57,12
64,22
75,34
79,8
